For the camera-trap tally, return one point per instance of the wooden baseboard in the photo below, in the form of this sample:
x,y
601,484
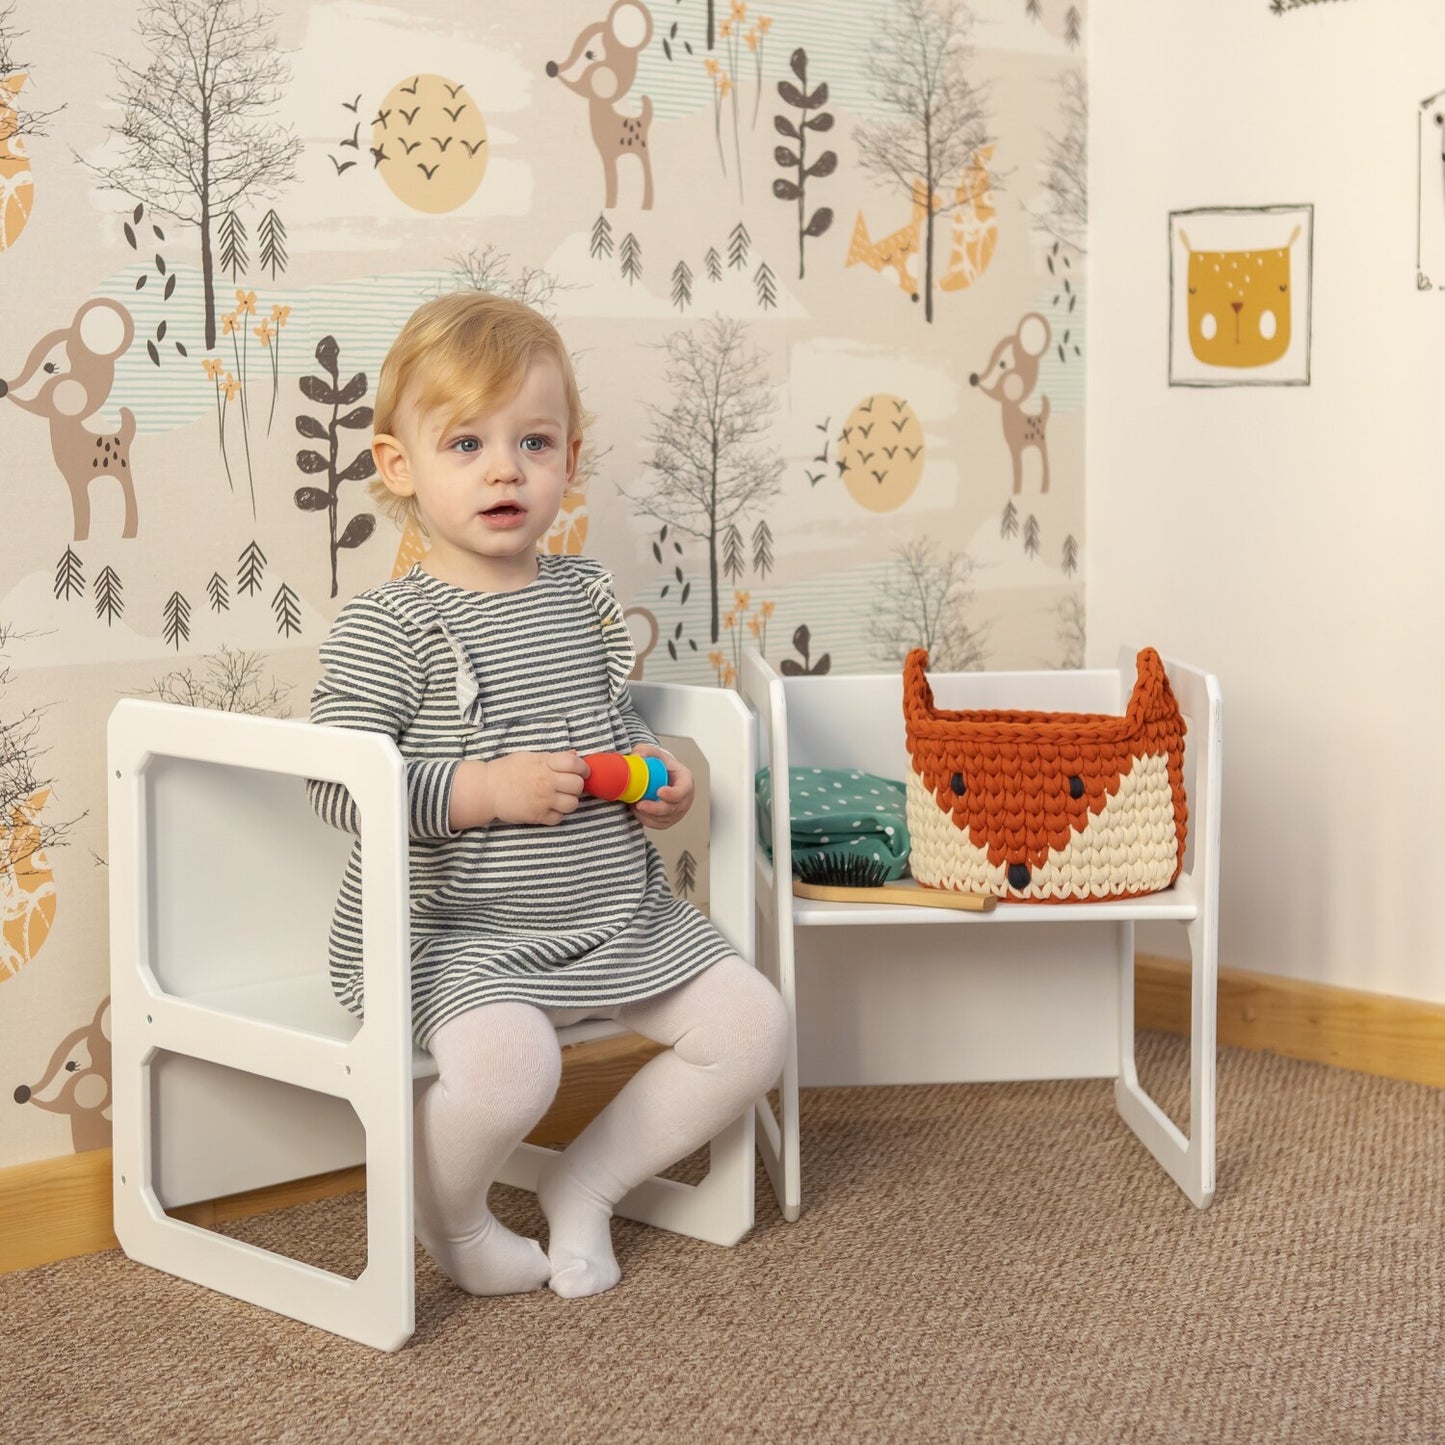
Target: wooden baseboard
x,y
1396,1038
61,1207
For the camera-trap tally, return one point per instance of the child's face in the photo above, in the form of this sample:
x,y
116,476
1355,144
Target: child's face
x,y
488,486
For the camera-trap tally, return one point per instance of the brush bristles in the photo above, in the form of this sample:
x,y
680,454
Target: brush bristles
x,y
847,870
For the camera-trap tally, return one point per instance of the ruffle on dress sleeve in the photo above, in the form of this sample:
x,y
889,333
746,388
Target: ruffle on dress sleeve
x,y
422,614
595,582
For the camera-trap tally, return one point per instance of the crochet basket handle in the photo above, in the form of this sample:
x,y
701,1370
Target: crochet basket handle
x,y
917,694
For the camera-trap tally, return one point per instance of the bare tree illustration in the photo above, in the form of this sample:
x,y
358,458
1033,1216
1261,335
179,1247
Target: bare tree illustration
x,y
489,268
926,601
709,467
228,680
1065,214
25,121
23,831
1071,631
196,127
921,72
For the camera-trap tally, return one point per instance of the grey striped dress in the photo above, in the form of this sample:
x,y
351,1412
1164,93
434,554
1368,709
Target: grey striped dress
x,y
573,915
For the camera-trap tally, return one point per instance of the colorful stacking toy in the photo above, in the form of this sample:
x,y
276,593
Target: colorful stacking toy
x,y
624,777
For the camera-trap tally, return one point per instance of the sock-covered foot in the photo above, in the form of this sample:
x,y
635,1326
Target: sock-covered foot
x,y
490,1261
579,1241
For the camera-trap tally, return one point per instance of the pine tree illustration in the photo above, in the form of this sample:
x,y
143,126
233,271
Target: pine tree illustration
x,y
69,577
219,593
738,242
1031,536
762,549
250,568
287,608
732,550
767,288
682,286
1032,10
234,257
684,881
1071,555
272,235
631,257
1073,22
177,620
1010,525
601,244
108,603
712,262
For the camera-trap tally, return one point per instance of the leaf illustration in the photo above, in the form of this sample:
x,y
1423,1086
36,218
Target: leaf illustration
x,y
819,122
818,97
799,61
308,426
314,389
801,638
309,462
151,351
312,499
364,466
786,190
825,165
326,353
160,263
822,218
141,282
129,235
170,286
784,126
792,94
354,389
361,416
785,156
358,529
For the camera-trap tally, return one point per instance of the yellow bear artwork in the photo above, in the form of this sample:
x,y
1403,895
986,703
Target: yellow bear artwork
x,y
1239,304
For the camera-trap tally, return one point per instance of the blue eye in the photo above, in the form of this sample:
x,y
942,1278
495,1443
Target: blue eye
x,y
467,444
545,442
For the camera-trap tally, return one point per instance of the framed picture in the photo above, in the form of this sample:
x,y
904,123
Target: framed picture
x,y
1240,288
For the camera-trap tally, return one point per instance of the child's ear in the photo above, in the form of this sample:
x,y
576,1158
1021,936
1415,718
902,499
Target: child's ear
x,y
391,465
574,450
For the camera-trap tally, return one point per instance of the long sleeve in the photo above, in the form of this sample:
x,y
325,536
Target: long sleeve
x,y
372,680
637,730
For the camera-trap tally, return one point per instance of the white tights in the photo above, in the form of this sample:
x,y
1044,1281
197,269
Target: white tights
x,y
498,1069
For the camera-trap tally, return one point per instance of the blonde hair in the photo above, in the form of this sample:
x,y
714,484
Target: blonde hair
x,y
463,354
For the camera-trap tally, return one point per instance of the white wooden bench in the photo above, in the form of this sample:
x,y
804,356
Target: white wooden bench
x,y
889,994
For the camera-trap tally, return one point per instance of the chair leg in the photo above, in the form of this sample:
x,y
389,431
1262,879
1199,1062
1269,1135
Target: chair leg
x,y
778,1143
1187,1161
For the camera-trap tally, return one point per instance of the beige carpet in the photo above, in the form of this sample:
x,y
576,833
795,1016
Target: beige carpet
x,y
993,1263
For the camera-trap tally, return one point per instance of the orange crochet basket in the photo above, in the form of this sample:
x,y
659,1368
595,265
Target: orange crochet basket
x,y
1047,807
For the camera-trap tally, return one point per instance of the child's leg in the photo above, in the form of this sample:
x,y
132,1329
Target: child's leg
x,y
498,1069
728,1030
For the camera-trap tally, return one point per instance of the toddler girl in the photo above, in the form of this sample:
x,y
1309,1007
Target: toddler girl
x,y
494,668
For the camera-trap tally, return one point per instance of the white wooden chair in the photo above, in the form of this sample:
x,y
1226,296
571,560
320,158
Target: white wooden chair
x,y
1022,992
235,1068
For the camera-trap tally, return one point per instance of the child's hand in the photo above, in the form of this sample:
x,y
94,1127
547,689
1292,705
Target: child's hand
x,y
672,802
529,787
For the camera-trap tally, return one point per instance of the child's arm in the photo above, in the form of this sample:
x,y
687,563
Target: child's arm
x,y
372,680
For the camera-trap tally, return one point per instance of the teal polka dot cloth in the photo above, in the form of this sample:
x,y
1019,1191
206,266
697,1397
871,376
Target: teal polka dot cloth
x,y
841,813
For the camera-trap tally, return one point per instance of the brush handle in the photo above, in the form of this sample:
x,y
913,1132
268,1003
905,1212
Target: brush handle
x,y
903,893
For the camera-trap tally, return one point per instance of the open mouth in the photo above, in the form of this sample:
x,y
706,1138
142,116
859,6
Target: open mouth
x,y
504,511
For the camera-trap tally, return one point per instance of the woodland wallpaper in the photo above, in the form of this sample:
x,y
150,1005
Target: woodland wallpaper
x,y
820,263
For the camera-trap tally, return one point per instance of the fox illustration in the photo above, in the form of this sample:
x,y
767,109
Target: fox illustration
x,y
1047,807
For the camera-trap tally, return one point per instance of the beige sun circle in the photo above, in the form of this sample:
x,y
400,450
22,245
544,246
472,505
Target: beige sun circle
x,y
880,452
429,141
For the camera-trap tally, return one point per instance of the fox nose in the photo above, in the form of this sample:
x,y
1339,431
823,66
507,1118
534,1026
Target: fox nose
x,y
973,378
22,1094
552,68
4,386
1018,876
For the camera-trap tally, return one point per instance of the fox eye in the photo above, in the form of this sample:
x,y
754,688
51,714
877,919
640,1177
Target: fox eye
x,y
1076,787
956,783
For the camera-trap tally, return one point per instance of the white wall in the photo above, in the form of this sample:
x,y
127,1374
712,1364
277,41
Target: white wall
x,y
1290,539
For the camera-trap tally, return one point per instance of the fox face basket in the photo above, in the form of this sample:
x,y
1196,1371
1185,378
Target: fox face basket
x,y
1047,807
